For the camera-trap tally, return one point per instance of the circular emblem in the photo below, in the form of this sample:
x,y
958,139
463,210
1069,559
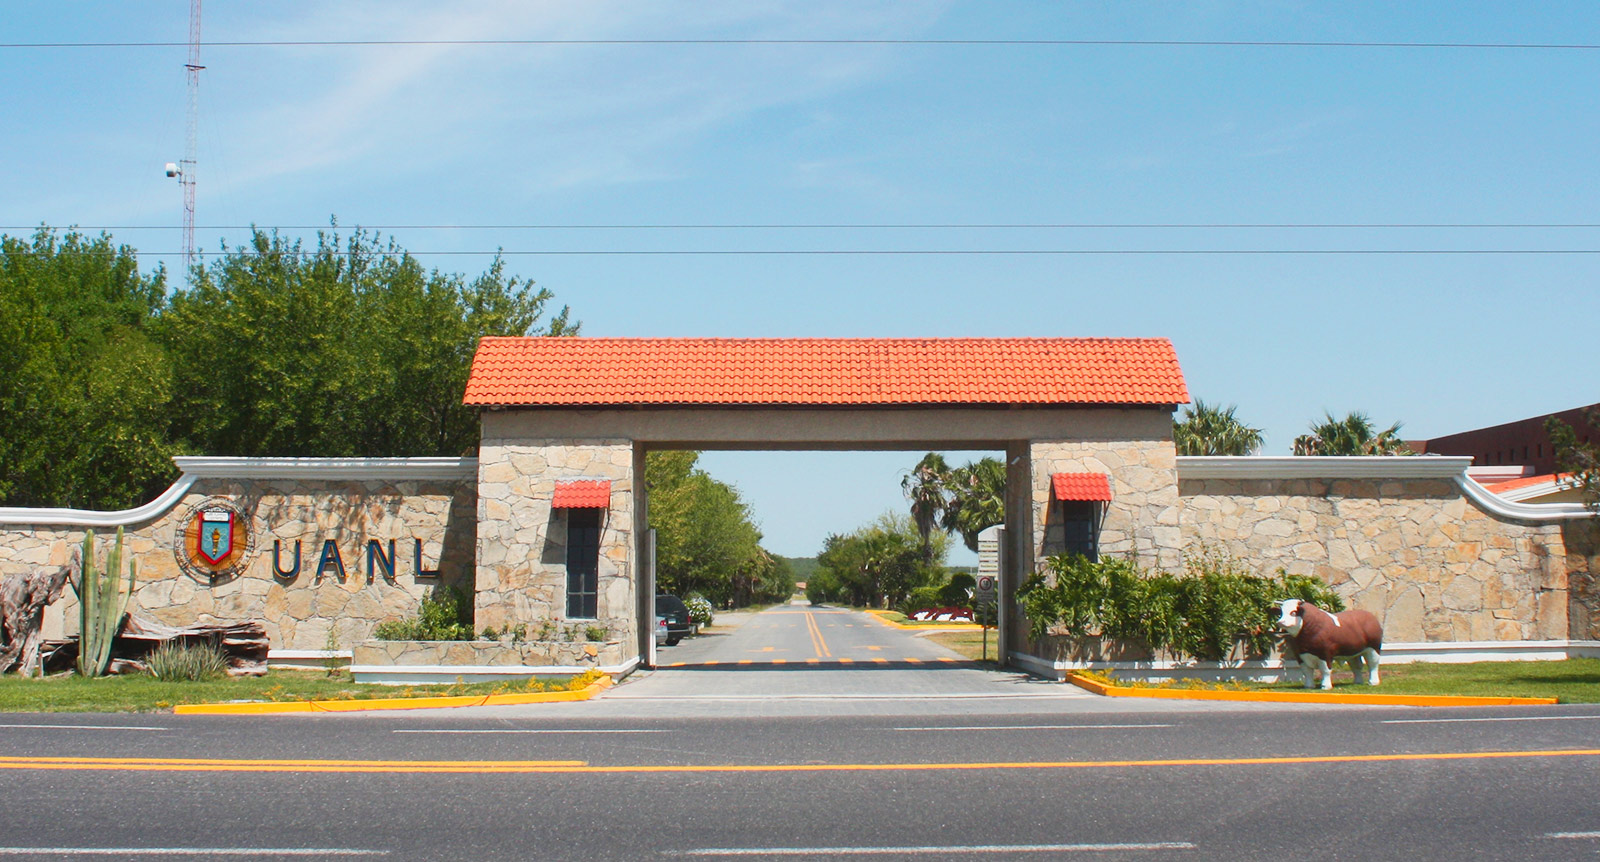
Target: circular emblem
x,y
213,539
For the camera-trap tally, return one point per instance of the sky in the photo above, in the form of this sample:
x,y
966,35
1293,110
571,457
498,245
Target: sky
x,y
927,173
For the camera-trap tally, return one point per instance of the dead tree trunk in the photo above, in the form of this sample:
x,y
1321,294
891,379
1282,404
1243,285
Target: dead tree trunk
x,y
23,599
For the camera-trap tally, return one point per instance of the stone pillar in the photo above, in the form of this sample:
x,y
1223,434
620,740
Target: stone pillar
x,y
522,573
1142,517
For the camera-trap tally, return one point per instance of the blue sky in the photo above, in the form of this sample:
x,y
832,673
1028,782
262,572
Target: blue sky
x,y
899,134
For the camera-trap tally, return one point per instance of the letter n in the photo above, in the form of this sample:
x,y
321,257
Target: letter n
x,y
376,559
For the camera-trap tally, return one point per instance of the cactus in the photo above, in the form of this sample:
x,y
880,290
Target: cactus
x,y
102,600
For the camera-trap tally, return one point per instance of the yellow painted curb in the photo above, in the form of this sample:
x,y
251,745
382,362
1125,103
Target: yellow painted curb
x,y
272,708
924,627
1304,696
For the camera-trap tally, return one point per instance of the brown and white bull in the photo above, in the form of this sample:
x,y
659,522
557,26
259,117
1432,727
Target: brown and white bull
x,y
1319,637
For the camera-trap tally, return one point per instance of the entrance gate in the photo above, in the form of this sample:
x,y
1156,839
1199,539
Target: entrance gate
x,y
568,422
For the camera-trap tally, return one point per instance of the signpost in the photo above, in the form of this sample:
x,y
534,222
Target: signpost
x,y
986,598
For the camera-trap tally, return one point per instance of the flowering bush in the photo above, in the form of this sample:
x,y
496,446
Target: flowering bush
x,y
699,609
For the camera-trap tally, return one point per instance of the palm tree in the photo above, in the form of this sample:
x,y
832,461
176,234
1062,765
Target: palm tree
x,y
925,487
977,499
1352,435
1207,429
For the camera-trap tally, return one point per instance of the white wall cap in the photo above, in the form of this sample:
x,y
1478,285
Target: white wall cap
x,y
1320,467
326,469
1377,467
87,518
333,469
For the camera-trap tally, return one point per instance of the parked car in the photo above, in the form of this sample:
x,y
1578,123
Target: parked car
x,y
677,616
662,632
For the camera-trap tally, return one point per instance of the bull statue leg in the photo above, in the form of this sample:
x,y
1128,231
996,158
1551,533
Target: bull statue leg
x,y
1370,657
1312,666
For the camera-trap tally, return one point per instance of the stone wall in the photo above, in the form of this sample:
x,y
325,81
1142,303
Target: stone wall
x,y
521,574
501,653
1433,565
1142,517
302,610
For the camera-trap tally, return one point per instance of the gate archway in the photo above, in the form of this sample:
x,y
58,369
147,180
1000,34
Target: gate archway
x,y
567,423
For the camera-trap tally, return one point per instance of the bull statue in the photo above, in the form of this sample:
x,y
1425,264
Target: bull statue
x,y
1319,637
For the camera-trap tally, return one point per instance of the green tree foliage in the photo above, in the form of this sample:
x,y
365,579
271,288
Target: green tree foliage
x,y
1353,435
347,349
1579,458
878,565
706,542
1207,429
966,499
977,499
924,486
83,386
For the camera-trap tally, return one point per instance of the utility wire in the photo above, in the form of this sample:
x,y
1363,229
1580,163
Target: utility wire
x,y
1142,43
895,252
870,226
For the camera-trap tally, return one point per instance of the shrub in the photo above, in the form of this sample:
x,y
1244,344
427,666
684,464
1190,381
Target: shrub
x,y
700,609
1200,613
595,633
445,616
173,662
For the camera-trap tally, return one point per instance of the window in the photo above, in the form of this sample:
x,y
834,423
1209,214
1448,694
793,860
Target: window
x,y
583,563
1080,528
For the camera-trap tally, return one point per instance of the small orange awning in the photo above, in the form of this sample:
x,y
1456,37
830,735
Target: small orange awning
x,y
583,494
1093,487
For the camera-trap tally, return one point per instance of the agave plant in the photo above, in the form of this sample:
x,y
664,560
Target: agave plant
x,y
102,600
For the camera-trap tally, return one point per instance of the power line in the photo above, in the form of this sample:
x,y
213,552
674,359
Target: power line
x,y
1065,43
888,252
885,226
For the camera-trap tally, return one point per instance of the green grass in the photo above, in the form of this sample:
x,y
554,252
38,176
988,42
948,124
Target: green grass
x,y
141,693
969,644
1574,680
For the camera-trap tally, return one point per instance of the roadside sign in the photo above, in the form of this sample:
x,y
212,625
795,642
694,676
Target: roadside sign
x,y
986,592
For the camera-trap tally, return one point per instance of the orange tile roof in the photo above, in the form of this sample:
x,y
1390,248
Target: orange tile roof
x,y
583,494
549,372
1082,486
1526,481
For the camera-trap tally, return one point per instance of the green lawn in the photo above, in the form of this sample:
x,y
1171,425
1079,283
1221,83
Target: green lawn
x,y
969,644
1575,680
140,693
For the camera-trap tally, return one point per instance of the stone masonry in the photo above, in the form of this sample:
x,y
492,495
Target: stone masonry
x,y
1432,565
1142,517
303,611
521,565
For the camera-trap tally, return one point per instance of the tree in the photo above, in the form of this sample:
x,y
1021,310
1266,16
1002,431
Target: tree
x,y
924,486
83,386
1352,435
347,349
705,540
977,499
1207,429
877,565
1581,459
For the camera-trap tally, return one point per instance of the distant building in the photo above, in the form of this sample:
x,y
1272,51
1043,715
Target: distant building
x,y
1523,442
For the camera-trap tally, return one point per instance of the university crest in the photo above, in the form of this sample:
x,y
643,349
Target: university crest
x,y
213,539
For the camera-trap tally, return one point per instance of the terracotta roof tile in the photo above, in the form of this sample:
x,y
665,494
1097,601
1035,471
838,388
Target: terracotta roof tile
x,y
1082,486
583,494
824,371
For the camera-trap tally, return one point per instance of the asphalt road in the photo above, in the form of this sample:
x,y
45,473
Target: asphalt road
x,y
649,772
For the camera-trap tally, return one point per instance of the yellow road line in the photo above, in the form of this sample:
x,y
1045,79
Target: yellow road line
x,y
578,766
914,660
817,641
780,661
880,661
847,661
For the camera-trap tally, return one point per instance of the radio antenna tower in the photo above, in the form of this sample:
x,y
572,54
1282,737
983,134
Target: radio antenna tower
x,y
185,170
